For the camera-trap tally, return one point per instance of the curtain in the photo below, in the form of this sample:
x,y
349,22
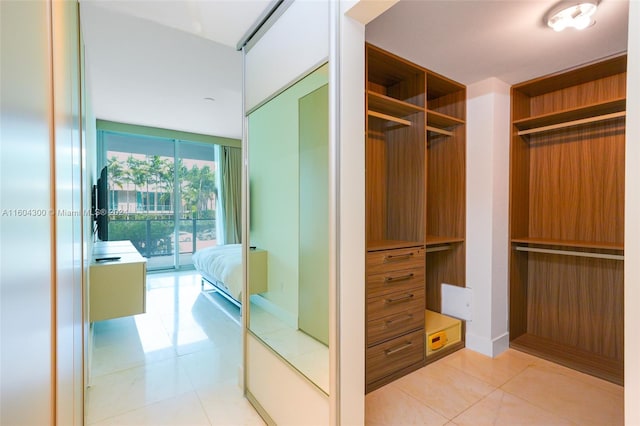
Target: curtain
x,y
231,197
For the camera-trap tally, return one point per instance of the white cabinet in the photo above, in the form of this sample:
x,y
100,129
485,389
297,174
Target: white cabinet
x,y
117,285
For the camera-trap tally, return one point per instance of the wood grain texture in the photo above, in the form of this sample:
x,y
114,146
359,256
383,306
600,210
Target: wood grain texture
x,y
394,303
578,302
375,182
415,193
393,76
567,193
443,267
577,184
384,261
572,357
386,358
452,104
404,280
518,296
579,75
592,92
380,329
446,184
405,178
519,171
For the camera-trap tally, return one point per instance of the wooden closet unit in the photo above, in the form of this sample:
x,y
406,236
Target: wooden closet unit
x,y
567,218
415,208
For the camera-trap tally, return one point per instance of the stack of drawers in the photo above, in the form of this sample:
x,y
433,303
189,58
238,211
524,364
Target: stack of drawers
x,y
395,314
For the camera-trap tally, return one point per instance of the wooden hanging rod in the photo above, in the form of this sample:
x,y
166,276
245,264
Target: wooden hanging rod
x,y
437,248
572,123
389,117
440,131
572,253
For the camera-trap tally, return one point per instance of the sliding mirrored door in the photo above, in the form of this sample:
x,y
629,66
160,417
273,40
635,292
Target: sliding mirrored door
x,y
288,215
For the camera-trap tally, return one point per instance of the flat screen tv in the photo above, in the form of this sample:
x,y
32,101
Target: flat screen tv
x,y
101,213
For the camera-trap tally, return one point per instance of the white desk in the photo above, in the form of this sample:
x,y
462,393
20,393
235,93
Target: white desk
x,y
117,288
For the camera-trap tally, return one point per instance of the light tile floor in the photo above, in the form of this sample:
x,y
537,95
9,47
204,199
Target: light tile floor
x,y
178,364
514,388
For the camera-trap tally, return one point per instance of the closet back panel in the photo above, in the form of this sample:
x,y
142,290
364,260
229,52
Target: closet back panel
x,y
576,184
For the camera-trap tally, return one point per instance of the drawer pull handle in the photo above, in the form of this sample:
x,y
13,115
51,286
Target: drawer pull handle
x,y
407,345
396,279
398,320
397,257
399,299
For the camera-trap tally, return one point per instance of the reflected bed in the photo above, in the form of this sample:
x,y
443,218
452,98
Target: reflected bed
x,y
221,267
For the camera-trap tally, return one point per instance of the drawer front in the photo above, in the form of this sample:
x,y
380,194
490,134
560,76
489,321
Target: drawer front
x,y
391,260
394,281
395,303
388,357
382,329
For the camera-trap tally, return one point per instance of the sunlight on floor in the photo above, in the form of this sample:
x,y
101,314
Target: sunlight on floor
x,y
177,364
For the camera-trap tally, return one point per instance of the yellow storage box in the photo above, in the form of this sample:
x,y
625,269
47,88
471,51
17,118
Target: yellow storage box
x,y
442,331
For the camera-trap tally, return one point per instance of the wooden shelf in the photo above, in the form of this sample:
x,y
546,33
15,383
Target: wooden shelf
x,y
433,240
387,117
439,131
438,119
587,362
441,123
566,243
391,244
390,106
572,117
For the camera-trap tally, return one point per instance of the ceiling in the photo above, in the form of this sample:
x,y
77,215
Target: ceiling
x,y
153,62
472,40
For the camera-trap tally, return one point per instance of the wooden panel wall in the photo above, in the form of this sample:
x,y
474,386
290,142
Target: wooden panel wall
x,y
375,185
406,181
446,184
519,171
577,183
604,89
443,267
578,302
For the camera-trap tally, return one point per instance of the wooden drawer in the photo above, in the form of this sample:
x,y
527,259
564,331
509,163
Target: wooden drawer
x,y
389,357
391,326
394,281
391,260
395,303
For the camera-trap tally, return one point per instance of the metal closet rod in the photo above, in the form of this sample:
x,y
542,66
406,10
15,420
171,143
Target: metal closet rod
x,y
572,253
437,248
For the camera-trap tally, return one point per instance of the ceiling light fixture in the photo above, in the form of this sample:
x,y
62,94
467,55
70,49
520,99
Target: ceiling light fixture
x,y
576,14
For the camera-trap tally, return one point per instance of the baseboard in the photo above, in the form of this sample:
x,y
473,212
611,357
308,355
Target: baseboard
x,y
485,346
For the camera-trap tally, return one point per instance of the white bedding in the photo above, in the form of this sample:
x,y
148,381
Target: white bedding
x,y
222,264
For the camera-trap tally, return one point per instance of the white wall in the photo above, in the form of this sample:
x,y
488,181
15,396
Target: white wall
x,y
351,211
632,224
488,115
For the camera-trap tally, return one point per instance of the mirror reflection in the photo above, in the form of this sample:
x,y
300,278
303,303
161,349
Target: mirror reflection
x,y
288,262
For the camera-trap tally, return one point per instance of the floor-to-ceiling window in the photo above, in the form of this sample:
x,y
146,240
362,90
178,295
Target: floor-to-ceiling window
x,y
164,195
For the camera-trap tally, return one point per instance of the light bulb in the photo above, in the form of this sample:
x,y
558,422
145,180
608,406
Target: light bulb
x,y
578,16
